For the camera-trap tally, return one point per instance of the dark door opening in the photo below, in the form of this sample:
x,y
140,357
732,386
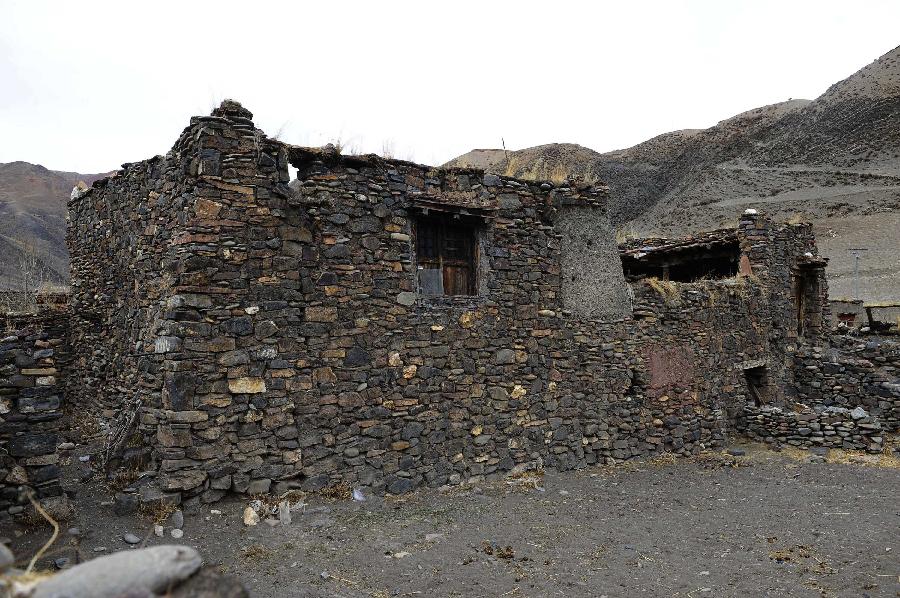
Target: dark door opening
x,y
806,290
757,384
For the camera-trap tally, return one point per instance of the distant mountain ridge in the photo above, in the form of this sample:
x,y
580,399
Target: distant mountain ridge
x,y
33,221
835,160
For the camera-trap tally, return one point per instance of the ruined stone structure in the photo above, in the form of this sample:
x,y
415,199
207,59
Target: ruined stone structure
x,y
393,325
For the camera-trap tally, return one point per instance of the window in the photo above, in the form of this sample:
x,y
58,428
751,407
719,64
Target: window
x,y
446,255
683,264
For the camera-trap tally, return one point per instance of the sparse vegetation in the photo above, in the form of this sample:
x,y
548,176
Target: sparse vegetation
x,y
625,233
157,512
340,491
256,552
668,290
122,479
345,146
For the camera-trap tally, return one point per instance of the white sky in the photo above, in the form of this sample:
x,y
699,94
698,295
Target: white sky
x,y
85,85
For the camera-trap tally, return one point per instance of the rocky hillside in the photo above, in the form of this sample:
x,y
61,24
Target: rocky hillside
x,y
834,160
33,222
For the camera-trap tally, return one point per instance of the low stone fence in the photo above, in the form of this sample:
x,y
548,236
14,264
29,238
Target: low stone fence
x,y
833,427
32,349
852,373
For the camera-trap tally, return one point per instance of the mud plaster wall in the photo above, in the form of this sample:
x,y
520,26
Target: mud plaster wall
x,y
593,284
279,340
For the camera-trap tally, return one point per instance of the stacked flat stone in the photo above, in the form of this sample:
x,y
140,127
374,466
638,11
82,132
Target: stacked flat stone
x,y
32,356
852,374
833,427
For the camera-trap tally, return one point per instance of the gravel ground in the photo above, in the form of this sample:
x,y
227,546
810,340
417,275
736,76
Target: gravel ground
x,y
764,524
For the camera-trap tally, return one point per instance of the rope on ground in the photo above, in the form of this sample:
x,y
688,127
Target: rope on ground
x,y
52,521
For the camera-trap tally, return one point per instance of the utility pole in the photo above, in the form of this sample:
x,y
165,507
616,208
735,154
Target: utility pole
x,y
856,252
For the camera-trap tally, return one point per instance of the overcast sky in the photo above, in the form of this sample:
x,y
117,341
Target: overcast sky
x,y
85,85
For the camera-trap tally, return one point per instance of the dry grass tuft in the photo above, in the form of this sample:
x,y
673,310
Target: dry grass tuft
x,y
256,552
122,479
887,458
668,290
663,459
797,218
340,491
532,479
157,512
743,285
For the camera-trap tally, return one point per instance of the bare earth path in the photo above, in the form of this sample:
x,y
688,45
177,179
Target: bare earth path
x,y
761,525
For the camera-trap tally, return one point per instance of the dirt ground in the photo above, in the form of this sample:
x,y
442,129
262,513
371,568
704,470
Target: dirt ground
x,y
763,524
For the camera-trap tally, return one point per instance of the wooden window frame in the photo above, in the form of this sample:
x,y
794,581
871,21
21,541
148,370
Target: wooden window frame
x,y
453,250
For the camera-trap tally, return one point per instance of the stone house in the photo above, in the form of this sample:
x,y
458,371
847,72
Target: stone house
x,y
391,325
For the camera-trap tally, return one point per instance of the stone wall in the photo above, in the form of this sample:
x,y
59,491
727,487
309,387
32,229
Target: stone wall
x,y
118,236
852,373
667,381
32,357
274,334
832,427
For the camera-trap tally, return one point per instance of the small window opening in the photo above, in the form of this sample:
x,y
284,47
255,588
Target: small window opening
x,y
446,255
847,318
757,384
689,264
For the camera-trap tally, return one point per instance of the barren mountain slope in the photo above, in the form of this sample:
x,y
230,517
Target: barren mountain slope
x,y
834,160
33,219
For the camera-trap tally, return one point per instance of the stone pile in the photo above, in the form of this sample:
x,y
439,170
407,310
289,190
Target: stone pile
x,y
32,357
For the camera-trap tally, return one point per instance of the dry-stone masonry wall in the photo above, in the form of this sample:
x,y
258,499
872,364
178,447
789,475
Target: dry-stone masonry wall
x,y
32,356
250,333
832,427
852,373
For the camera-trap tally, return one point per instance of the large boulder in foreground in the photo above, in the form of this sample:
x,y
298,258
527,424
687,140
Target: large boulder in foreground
x,y
166,570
